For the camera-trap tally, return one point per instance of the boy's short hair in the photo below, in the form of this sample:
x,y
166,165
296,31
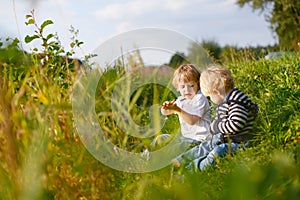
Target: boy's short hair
x,y
186,73
216,78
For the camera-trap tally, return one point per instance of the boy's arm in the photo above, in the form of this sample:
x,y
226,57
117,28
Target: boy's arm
x,y
166,111
234,123
187,117
172,108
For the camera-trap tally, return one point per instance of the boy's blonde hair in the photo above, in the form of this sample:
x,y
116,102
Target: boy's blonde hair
x,y
186,73
216,78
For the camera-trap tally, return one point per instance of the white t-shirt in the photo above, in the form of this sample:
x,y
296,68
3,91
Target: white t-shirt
x,y
199,106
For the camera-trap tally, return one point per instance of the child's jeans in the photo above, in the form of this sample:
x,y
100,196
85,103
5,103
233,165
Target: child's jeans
x,y
200,150
218,151
204,155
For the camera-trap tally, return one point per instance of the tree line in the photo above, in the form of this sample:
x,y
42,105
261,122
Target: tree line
x,y
283,17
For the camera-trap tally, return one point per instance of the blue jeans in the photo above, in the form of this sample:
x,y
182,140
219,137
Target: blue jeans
x,y
218,151
204,155
200,150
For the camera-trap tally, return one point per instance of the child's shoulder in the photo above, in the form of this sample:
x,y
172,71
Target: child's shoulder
x,y
199,97
238,97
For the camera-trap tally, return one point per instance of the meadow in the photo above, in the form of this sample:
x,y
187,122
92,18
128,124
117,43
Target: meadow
x,y
43,157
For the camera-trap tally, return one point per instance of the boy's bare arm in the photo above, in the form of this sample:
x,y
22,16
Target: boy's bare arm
x,y
187,117
172,108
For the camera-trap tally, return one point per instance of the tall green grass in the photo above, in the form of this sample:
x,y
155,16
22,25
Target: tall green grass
x,y
42,156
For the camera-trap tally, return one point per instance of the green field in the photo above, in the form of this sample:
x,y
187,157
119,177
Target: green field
x,y
43,157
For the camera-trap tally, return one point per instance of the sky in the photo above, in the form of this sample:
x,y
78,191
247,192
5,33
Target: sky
x,y
99,20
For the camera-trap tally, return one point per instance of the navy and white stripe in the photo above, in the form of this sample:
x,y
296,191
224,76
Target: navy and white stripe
x,y
234,117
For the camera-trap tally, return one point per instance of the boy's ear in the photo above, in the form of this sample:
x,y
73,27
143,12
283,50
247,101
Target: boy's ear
x,y
215,91
219,92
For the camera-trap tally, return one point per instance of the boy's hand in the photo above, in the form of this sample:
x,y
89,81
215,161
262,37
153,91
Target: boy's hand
x,y
170,105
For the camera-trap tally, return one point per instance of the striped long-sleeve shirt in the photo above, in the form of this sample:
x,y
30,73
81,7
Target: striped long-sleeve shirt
x,y
235,117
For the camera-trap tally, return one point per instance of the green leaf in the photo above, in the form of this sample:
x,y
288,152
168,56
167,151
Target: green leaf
x,y
30,38
72,44
16,41
28,16
49,36
30,21
46,23
80,43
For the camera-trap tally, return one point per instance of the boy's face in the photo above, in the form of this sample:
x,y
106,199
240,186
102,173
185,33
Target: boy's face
x,y
216,96
188,89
